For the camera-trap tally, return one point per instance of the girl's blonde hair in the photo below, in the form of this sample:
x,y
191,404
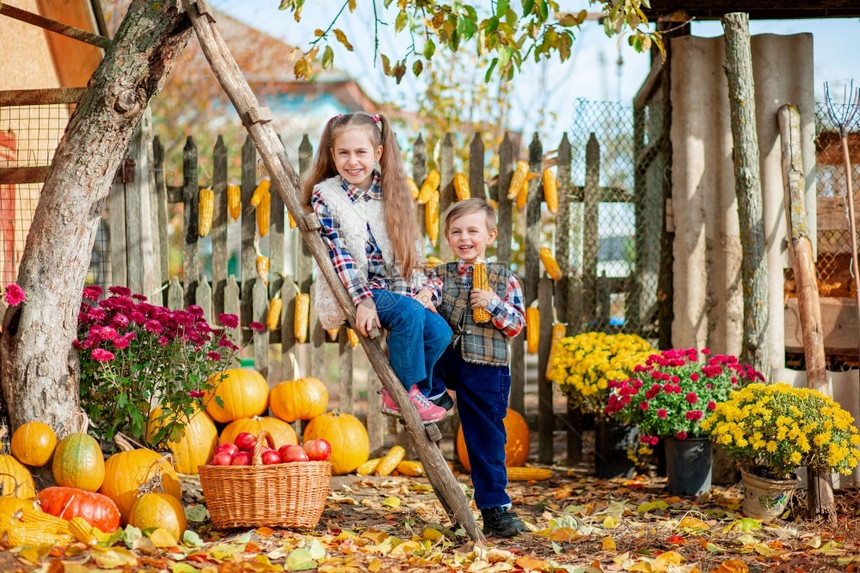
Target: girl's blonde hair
x,y
396,196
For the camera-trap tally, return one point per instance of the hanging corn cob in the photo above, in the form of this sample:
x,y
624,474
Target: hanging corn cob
x,y
532,329
234,201
559,330
264,212
262,265
431,218
430,185
388,463
413,188
550,190
523,195
480,281
260,192
461,186
352,337
549,263
205,211
273,317
517,180
300,324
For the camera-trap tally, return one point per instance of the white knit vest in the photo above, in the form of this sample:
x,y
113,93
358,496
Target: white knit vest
x,y
354,219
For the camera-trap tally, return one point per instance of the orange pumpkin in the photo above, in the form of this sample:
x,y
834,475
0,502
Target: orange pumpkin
x,y
15,479
33,443
79,462
154,510
196,445
282,433
125,472
350,444
244,393
300,399
516,447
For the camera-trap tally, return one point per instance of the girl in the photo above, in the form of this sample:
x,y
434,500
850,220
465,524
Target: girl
x,y
359,191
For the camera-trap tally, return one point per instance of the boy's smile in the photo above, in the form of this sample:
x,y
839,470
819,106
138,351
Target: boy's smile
x,y
469,237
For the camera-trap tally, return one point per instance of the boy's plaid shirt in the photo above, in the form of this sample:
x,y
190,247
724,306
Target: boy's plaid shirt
x,y
378,276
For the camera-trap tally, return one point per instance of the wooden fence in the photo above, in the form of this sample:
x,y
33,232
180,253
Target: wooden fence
x,y
580,298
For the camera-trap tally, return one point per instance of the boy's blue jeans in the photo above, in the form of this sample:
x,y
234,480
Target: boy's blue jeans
x,y
482,402
417,337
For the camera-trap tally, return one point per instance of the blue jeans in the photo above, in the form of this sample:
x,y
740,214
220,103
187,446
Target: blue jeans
x,y
417,337
482,402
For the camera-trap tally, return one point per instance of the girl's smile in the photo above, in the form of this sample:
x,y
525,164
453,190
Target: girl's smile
x,y
355,157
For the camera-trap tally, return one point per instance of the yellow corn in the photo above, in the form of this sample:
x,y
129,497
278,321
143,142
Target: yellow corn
x,y
264,214
429,187
352,337
332,333
549,263
300,325
520,173
532,329
260,192
48,523
388,463
559,331
367,467
523,195
262,265
431,218
550,190
527,474
410,468
82,531
461,186
433,262
273,317
205,210
413,188
22,534
292,221
234,201
480,281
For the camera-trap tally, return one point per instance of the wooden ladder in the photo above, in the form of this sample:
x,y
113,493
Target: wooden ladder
x,y
257,120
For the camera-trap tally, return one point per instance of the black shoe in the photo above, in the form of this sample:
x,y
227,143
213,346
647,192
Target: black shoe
x,y
444,400
501,522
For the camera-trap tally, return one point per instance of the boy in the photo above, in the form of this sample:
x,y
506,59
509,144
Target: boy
x,y
475,365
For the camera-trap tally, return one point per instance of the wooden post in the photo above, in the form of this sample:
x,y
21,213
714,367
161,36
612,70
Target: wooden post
x,y
546,415
220,253
590,230
163,265
820,500
190,193
476,167
446,193
419,173
531,277
739,72
248,256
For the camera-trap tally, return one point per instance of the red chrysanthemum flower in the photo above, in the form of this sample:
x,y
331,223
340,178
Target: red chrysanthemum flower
x,y
228,320
15,295
102,355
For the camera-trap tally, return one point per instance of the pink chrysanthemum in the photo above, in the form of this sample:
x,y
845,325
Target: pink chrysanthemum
x,y
102,355
92,292
15,295
257,326
228,320
120,290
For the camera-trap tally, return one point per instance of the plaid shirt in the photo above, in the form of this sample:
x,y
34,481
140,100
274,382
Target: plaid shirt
x,y
378,277
508,314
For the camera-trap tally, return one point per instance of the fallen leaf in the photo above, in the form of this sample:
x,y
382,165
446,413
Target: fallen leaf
x,y
611,522
196,513
177,568
692,523
72,567
563,534
375,535
162,538
392,502
532,564
300,560
191,538
651,506
35,554
745,524
676,540
113,558
265,532
667,559
731,566
316,549
608,544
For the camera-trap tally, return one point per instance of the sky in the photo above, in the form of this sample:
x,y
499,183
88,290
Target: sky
x,y
600,68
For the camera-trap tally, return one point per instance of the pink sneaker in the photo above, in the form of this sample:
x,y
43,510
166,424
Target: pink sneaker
x,y
428,411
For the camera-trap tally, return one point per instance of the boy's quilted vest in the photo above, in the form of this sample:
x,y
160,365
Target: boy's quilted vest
x,y
479,343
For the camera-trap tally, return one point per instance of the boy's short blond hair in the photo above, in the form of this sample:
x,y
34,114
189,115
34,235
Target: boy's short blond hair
x,y
469,206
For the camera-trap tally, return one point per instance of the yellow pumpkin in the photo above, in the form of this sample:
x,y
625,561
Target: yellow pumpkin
x,y
79,462
516,447
15,479
152,510
125,472
282,432
196,445
33,443
300,399
9,505
244,393
350,445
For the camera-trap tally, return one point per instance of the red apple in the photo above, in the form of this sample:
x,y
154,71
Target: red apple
x,y
228,447
222,458
245,441
270,456
241,459
318,450
293,453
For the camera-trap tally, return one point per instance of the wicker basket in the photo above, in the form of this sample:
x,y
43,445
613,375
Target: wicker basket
x,y
278,495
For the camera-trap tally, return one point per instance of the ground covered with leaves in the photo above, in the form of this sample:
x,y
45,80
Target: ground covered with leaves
x,y
577,523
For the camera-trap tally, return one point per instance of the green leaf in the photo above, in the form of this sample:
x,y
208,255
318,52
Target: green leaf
x,y
196,513
327,58
417,67
490,69
191,538
528,6
544,10
429,49
183,568
300,560
501,7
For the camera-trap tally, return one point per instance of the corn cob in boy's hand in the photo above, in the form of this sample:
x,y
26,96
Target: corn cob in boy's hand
x,y
480,280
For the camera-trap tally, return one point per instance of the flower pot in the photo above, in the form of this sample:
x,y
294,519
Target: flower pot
x,y
611,441
765,498
688,466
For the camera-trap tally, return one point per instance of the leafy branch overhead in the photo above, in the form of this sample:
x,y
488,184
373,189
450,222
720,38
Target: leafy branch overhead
x,y
510,37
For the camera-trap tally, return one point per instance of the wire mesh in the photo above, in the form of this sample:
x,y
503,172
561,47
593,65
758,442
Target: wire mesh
x,y
29,135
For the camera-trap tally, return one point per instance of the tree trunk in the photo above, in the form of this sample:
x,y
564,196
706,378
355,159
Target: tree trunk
x,y
754,270
40,369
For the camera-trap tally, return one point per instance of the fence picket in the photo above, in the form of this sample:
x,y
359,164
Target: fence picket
x,y
248,231
190,194
259,306
175,294
231,296
446,193
220,254
162,254
204,299
546,416
476,167
288,337
591,198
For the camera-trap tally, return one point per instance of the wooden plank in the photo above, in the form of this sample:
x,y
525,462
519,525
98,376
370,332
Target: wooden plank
x,y
562,229
161,210
138,215
377,422
22,175
248,256
546,416
288,336
838,323
190,194
832,214
204,299
345,373
316,338
54,26
232,304
118,253
419,173
42,96
446,193
476,167
304,260
259,307
507,157
175,295
220,252
590,232
277,249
